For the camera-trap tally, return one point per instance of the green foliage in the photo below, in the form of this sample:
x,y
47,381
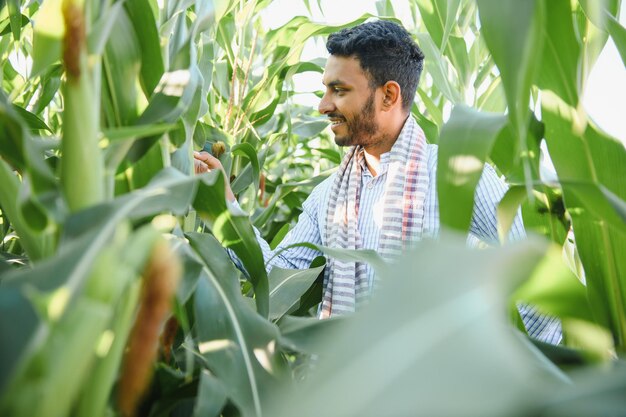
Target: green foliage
x,y
95,168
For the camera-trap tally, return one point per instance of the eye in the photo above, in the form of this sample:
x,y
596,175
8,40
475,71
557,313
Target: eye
x,y
339,90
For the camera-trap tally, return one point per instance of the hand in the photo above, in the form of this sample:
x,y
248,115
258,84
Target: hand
x,y
205,162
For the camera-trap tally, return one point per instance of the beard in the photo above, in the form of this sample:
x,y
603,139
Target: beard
x,y
362,129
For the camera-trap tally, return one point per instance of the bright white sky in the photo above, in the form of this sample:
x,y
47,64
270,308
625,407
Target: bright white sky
x,y
604,97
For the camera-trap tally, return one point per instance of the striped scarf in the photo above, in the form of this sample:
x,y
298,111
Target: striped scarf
x,y
346,284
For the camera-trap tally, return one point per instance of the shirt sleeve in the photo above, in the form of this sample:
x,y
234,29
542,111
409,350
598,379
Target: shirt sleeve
x,y
489,192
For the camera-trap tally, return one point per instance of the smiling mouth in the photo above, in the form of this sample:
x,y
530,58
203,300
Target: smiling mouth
x,y
337,122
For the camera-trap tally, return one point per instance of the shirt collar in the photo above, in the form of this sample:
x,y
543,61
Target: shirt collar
x,y
384,162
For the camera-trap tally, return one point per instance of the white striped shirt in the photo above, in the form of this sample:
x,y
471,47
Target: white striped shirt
x,y
312,222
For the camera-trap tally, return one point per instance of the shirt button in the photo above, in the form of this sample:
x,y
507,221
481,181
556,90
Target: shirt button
x,y
370,185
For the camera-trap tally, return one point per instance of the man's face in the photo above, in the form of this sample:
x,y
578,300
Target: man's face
x,y
349,102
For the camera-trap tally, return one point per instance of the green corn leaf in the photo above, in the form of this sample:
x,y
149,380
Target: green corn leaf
x,y
456,50
308,128
121,62
384,8
51,391
554,289
302,334
32,120
508,208
546,215
13,136
583,154
97,389
39,191
493,99
171,99
373,362
85,235
561,53
279,236
49,30
234,231
288,286
596,392
99,35
133,132
6,25
50,83
192,268
368,256
248,151
512,31
32,210
212,396
618,33
505,153
436,66
224,36
600,202
81,319
145,26
438,16
146,168
431,108
15,18
464,144
593,29
281,192
431,130
231,336
481,62
222,8
9,196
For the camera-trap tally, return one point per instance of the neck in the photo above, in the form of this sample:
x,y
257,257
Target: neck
x,y
373,152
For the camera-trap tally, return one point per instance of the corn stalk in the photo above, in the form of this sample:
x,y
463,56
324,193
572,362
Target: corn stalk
x,y
82,165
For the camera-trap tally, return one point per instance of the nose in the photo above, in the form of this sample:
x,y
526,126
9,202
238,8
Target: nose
x,y
326,105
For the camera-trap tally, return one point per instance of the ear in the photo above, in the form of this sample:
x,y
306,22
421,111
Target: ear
x,y
392,95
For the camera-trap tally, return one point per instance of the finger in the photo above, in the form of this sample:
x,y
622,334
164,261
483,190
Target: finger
x,y
211,161
201,156
199,166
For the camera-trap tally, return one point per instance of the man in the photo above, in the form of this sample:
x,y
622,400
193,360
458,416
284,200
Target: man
x,y
383,195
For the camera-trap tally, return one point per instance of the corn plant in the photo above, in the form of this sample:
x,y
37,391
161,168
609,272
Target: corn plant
x,y
96,148
110,243
523,41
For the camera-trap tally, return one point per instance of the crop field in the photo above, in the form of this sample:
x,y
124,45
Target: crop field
x,y
119,295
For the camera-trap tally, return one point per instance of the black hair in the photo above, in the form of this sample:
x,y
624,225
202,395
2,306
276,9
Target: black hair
x,y
386,52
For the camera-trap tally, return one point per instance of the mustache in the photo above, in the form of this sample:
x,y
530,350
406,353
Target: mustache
x,y
335,116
